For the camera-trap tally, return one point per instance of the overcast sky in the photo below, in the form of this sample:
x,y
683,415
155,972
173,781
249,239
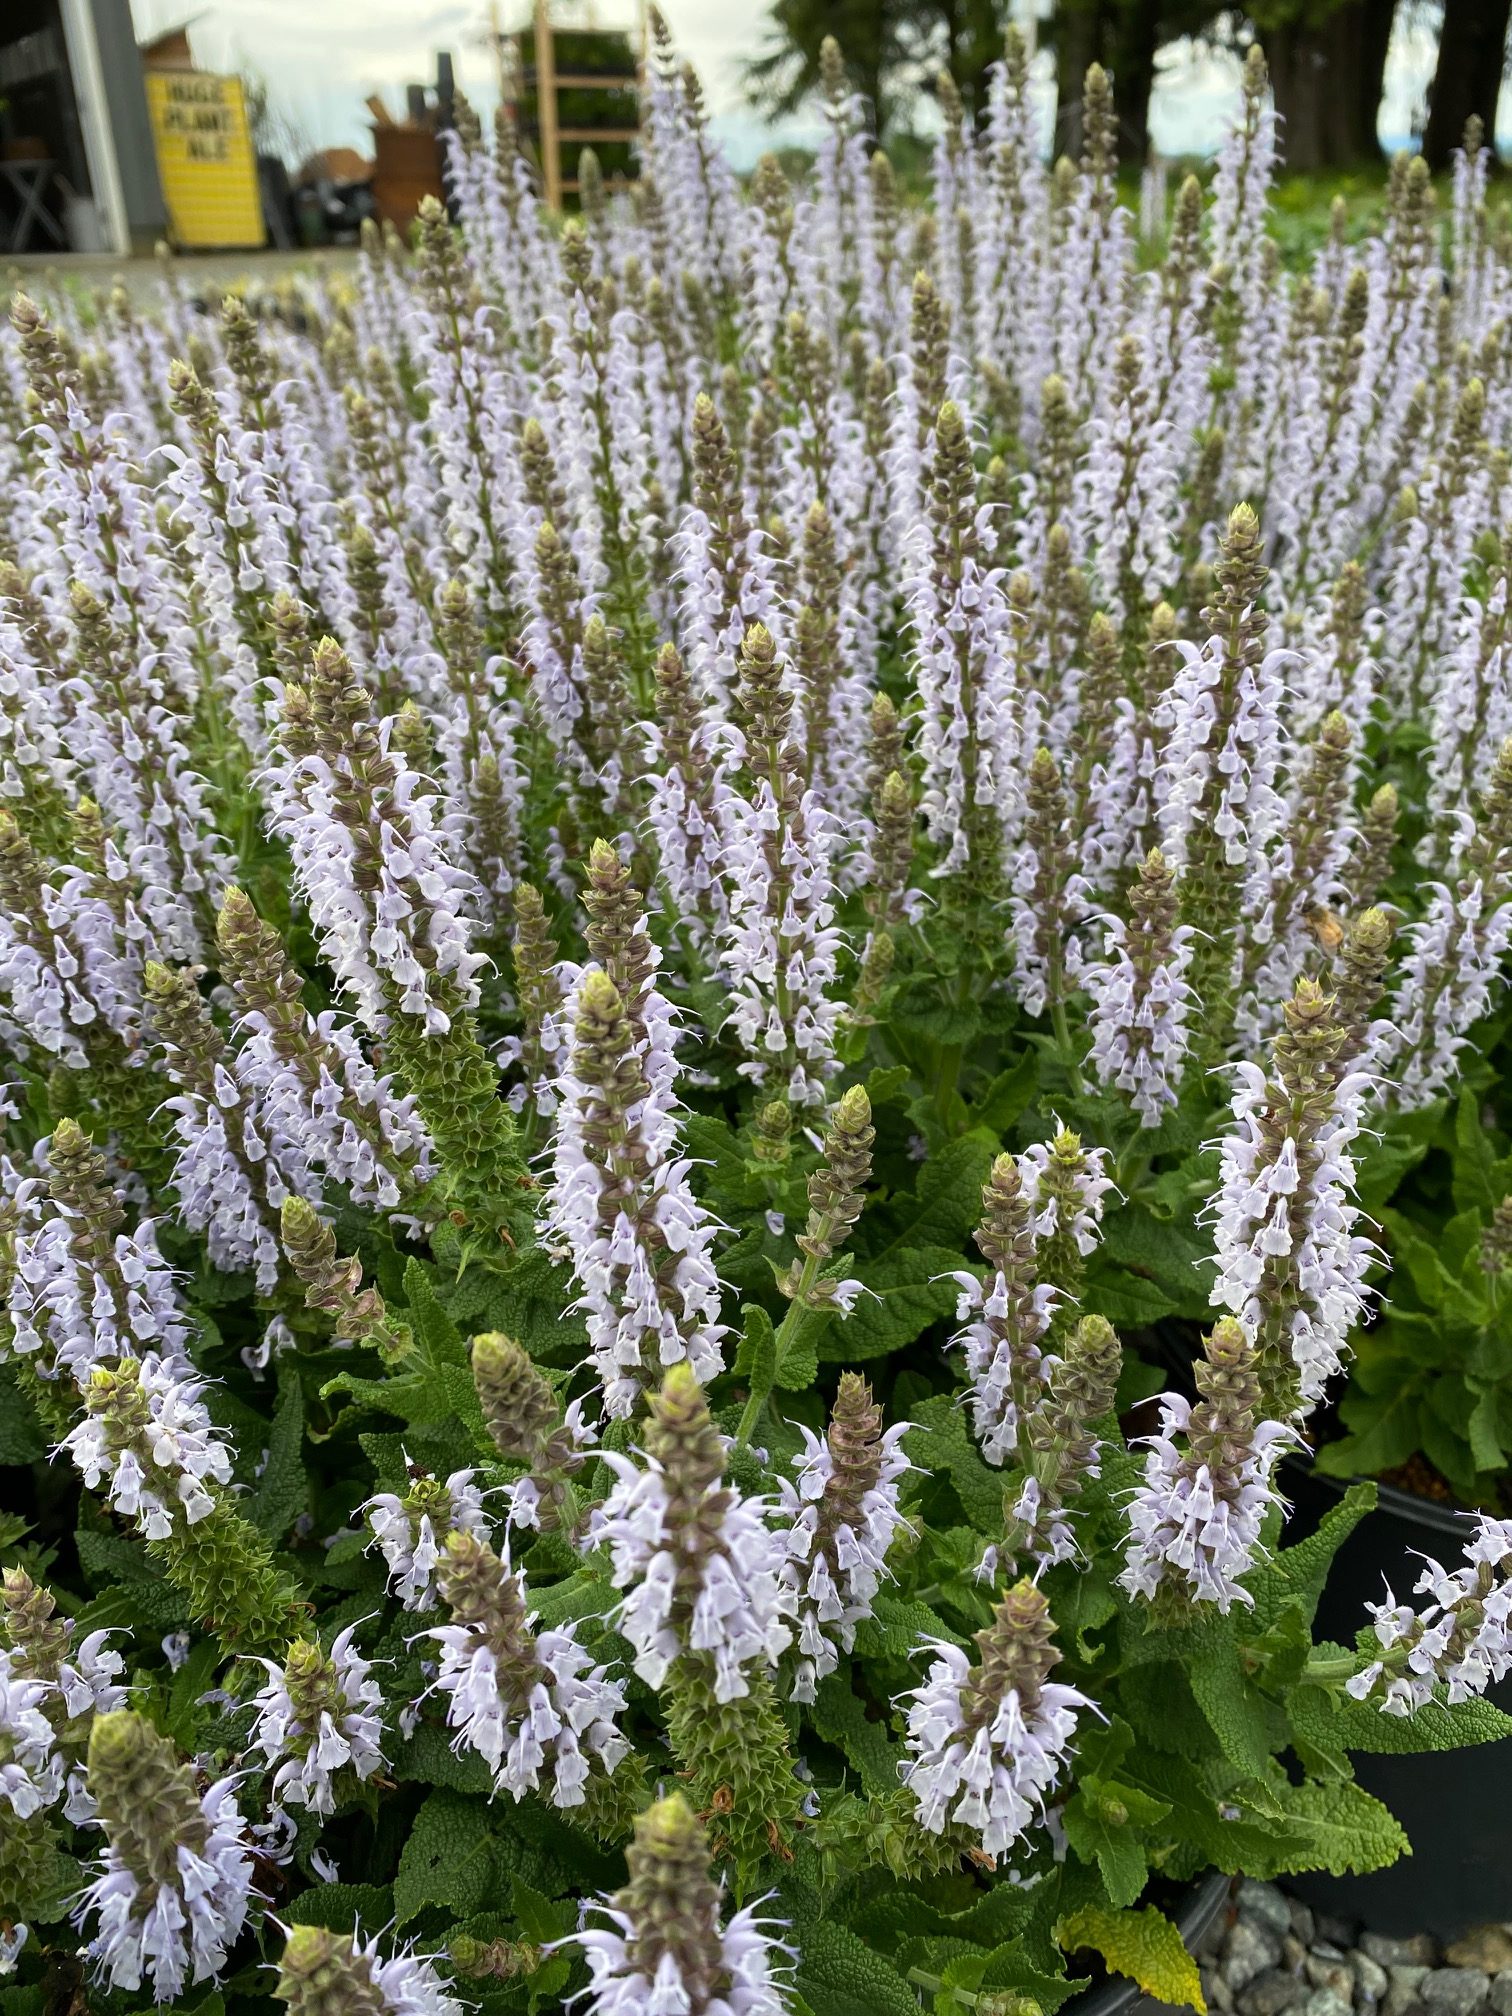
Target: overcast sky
x,y
322,58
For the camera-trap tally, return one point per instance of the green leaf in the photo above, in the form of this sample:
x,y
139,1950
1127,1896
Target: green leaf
x,y
797,1362
1237,1713
1127,1300
942,1443
1485,1442
429,1757
839,1717
21,1436
282,1491
909,1288
448,1858
1104,1819
1339,1827
1474,1160
1167,1254
338,1906
1298,1574
1144,1945
1338,1722
840,1974
531,1301
1009,1095
756,1354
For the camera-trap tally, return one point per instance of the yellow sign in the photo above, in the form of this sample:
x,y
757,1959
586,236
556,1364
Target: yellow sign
x,y
205,158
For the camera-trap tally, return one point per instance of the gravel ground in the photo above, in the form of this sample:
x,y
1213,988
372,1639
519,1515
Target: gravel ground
x,y
204,273
1271,1956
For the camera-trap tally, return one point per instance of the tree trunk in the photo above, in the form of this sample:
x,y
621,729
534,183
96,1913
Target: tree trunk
x,y
1082,34
1468,77
1328,81
1135,40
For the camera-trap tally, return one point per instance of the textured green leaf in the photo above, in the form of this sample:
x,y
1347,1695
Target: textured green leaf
x,y
282,1492
1485,1440
1103,1822
340,1906
1337,1722
797,1360
897,1627
1298,1574
429,1757
532,1301
942,1443
1339,1827
1009,1967
1009,1095
1127,1300
841,1718
1144,1945
840,1975
908,1290
448,1858
1237,1713
21,1436
1170,1254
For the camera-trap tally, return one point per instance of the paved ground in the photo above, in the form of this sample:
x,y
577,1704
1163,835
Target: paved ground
x,y
210,272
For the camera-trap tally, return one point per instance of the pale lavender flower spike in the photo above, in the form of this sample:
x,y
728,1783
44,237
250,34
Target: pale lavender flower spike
x,y
987,1742
1460,1641
1195,1518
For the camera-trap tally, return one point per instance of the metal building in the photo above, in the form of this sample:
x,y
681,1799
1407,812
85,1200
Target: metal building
x,y
78,170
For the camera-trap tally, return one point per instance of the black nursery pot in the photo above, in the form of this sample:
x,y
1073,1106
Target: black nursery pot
x,y
1195,1916
1455,1805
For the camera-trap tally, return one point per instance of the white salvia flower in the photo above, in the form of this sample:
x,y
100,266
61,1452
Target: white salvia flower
x,y
31,1772
66,976
319,1714
1472,717
1195,1518
686,790
1451,968
316,1098
1131,482
1220,758
969,730
1291,1262
1141,1004
388,904
12,1942
176,1878
322,1970
1006,1312
1462,1638
218,1145
1066,1185
662,1950
620,1203
411,1531
779,945
987,1742
1449,975
72,1683
842,1512
147,1437
70,1313
702,1571
89,1678
529,1703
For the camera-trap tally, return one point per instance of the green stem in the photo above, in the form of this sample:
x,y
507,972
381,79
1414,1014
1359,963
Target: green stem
x,y
1063,1043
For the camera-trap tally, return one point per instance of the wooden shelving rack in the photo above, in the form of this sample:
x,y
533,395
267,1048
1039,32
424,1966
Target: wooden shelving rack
x,y
548,81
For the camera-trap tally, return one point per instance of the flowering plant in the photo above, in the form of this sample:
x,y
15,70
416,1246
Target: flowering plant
x,y
628,978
